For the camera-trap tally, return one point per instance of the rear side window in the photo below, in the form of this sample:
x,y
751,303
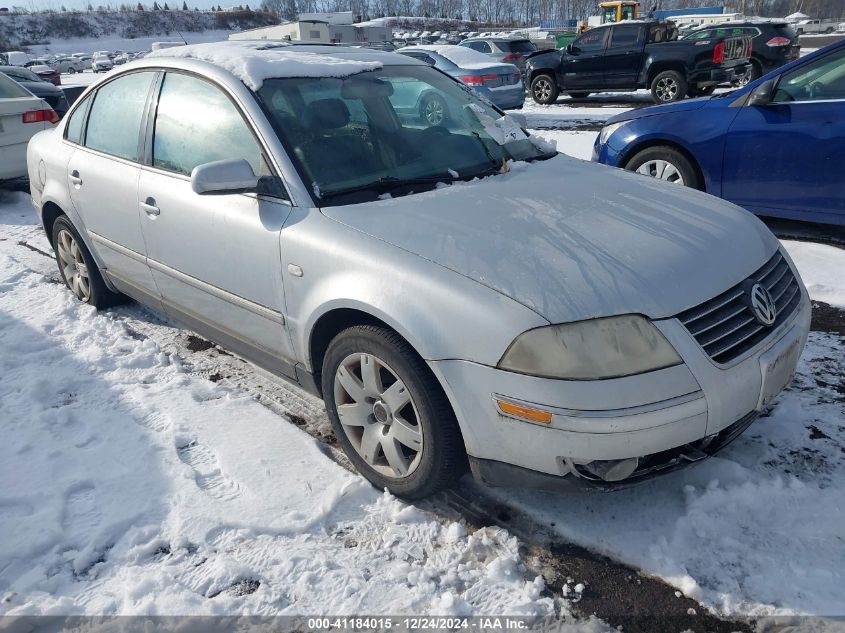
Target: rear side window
x,y
73,131
115,121
9,88
625,35
481,47
518,46
196,124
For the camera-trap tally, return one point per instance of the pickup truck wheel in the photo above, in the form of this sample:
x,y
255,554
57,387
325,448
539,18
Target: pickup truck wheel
x,y
668,86
579,95
544,89
78,269
389,413
664,163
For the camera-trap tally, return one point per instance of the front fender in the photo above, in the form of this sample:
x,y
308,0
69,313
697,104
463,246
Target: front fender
x,y
441,313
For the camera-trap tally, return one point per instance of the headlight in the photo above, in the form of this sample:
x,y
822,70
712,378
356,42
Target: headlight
x,y
607,130
590,350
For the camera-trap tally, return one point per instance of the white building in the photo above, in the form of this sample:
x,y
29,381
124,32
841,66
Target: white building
x,y
319,28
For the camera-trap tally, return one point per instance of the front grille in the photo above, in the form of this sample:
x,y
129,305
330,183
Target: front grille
x,y
725,326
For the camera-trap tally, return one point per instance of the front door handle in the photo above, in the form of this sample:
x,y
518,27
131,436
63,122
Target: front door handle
x,y
75,179
149,207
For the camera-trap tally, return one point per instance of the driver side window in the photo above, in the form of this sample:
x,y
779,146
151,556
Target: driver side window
x,y
820,80
591,40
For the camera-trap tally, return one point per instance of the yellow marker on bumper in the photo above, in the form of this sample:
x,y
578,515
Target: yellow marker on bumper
x,y
524,413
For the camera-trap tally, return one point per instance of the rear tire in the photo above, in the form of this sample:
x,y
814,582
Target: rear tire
x,y
544,89
378,420
753,73
78,269
579,95
665,163
668,87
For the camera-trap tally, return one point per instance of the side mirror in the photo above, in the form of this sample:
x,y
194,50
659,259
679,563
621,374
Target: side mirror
x,y
762,94
569,49
224,176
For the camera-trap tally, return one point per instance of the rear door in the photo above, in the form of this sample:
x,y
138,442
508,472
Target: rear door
x,y
103,176
215,258
582,67
623,58
785,158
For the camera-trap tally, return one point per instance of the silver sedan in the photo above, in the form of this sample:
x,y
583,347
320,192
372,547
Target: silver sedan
x,y
457,293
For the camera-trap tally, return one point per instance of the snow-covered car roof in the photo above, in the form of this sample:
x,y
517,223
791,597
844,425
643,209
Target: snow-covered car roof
x,y
458,55
254,61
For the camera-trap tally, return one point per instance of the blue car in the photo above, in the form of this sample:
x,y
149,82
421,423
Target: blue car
x,y
775,147
499,83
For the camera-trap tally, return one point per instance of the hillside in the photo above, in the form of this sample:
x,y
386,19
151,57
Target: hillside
x,y
39,29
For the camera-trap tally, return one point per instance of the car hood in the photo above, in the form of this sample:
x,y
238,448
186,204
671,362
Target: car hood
x,y
574,240
685,105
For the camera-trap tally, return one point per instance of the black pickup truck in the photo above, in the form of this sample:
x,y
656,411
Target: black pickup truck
x,y
634,55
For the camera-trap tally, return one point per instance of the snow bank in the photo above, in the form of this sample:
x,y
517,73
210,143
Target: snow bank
x,y
253,62
821,269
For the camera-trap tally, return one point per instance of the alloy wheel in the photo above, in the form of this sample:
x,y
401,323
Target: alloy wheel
x,y
74,268
378,415
543,89
662,170
667,89
434,111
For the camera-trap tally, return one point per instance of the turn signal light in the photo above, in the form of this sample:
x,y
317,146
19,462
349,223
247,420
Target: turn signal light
x,y
39,116
524,413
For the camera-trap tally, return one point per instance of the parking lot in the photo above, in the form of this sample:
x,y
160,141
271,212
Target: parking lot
x,y
155,472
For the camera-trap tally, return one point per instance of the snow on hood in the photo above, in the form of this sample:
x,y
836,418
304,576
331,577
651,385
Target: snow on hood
x,y
574,240
253,62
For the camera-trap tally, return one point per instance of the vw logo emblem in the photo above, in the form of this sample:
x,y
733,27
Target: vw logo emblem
x,y
762,305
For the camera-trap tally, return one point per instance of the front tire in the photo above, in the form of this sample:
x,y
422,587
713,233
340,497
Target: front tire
x,y
544,89
668,87
78,269
389,413
665,163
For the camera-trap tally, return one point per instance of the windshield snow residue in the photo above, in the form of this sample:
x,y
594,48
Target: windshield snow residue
x,y
253,63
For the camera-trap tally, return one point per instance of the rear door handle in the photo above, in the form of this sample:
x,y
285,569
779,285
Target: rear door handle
x,y
149,207
75,179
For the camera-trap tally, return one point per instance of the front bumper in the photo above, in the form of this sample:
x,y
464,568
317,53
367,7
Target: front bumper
x,y
667,418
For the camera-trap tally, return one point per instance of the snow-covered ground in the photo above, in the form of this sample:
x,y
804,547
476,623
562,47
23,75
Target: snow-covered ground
x,y
129,485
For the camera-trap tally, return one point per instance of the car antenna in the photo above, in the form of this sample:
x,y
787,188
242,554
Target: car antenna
x,y
183,37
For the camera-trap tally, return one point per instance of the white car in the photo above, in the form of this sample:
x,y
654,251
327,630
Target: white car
x,y
101,63
457,293
841,28
69,65
22,116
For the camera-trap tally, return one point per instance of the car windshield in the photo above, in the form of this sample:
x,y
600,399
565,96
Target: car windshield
x,y
396,130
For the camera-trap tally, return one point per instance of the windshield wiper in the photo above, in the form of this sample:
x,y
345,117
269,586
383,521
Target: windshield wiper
x,y
387,183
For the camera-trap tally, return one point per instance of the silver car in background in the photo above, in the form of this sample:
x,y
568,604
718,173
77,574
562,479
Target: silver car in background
x,y
510,50
456,293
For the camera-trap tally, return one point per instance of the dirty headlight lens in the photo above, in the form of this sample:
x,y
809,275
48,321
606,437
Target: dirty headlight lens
x,y
591,350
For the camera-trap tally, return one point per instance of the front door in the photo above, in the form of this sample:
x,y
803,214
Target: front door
x,y
103,174
785,158
582,66
215,257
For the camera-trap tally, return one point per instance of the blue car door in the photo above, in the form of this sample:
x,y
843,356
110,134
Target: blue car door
x,y
785,158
